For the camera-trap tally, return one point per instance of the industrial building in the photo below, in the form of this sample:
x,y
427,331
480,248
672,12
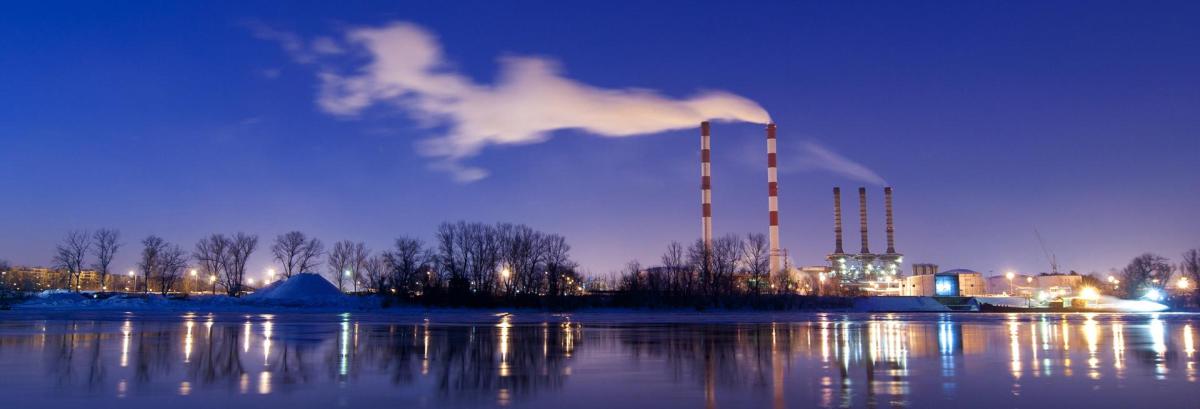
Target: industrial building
x,y
950,283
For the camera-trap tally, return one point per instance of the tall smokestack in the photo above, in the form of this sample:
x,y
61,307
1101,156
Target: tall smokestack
x,y
862,218
773,200
705,186
891,231
837,220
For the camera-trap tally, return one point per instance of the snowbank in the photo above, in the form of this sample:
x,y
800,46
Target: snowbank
x,y
1014,302
898,304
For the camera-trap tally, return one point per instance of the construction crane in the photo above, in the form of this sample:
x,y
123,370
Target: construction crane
x,y
1049,256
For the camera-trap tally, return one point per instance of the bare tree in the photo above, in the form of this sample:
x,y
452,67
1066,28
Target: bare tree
x,y
699,258
153,249
297,253
558,264
69,256
680,276
172,261
239,248
631,280
105,243
756,260
212,253
727,251
1145,272
1190,268
375,269
346,261
470,254
404,264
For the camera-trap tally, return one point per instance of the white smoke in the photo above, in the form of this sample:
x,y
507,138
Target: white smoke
x,y
530,99
813,156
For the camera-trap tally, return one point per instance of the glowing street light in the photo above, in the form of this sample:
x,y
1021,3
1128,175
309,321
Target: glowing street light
x,y
1010,275
194,273
1183,283
1153,295
1089,294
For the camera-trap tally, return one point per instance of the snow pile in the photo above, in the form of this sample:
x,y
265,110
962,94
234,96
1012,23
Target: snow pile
x,y
301,289
1114,303
898,304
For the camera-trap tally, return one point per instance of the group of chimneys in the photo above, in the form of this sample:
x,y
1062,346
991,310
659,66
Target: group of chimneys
x,y
775,255
862,220
773,202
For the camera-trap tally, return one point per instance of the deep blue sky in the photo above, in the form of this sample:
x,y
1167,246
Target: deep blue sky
x,y
990,119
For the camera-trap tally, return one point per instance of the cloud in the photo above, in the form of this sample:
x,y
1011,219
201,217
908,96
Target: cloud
x,y
531,98
814,157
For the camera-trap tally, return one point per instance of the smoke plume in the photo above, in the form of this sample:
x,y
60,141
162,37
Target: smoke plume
x,y
406,69
813,156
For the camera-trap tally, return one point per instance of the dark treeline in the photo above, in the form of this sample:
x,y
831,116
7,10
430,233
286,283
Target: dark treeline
x,y
479,264
466,263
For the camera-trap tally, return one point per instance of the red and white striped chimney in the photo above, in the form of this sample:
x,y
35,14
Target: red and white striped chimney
x,y
862,218
891,231
705,187
773,201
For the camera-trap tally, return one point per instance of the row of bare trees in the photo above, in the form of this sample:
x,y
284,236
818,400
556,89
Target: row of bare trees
x,y
224,258
71,255
701,270
503,258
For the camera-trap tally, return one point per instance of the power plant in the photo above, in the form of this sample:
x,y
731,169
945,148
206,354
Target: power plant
x,y
864,269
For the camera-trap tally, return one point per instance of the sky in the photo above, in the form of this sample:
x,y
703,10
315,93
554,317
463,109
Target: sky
x,y
371,120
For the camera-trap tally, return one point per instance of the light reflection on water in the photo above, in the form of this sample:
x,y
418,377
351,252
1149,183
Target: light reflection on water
x,y
823,360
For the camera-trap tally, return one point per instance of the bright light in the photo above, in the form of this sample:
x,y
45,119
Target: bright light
x,y
1183,283
505,273
1042,296
1010,275
212,278
194,272
1028,279
250,281
1111,279
131,273
347,273
1153,295
1089,293
271,272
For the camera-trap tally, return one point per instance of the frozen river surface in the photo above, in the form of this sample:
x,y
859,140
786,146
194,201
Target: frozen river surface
x,y
302,360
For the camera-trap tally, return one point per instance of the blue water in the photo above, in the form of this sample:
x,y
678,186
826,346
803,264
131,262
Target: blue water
x,y
229,360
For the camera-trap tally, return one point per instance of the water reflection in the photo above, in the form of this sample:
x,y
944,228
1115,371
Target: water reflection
x,y
829,360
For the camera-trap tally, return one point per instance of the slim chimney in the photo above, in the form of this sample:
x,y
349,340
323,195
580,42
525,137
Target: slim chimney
x,y
837,220
705,187
862,218
772,201
891,231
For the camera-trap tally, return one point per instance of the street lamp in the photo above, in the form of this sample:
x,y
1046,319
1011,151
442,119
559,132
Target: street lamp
x,y
1183,283
1010,276
212,279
